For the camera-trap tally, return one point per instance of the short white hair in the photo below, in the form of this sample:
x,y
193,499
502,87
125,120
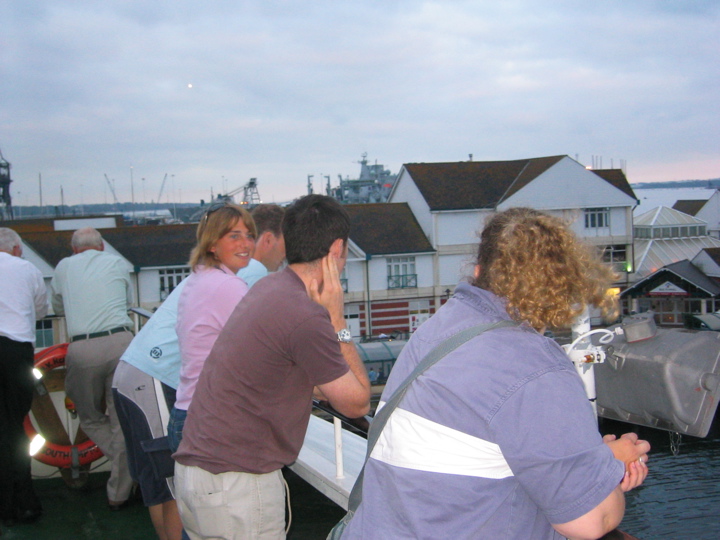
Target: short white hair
x,y
86,237
9,239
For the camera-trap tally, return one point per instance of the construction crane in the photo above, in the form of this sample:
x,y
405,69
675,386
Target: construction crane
x,y
251,196
161,188
112,190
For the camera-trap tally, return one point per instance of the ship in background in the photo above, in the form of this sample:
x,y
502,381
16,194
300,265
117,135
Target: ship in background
x,y
6,210
372,186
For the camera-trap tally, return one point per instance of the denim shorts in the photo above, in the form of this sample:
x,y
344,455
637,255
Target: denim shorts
x,y
175,428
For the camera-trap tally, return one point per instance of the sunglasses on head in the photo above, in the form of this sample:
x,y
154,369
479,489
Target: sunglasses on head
x,y
214,207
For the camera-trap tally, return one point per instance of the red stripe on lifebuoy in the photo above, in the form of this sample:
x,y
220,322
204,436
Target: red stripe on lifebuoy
x,y
59,455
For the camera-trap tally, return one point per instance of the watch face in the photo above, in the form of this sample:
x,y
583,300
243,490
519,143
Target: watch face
x,y
344,336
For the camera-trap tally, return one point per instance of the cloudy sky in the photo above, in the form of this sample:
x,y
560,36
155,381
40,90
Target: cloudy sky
x,y
216,92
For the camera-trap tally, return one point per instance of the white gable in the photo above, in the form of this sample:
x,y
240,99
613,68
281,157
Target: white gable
x,y
567,184
406,191
668,289
354,251
30,255
710,212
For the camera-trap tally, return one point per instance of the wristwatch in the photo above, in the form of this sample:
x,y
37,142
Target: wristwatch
x,y
344,336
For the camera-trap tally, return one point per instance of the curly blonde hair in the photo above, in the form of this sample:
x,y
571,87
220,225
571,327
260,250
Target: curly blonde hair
x,y
546,275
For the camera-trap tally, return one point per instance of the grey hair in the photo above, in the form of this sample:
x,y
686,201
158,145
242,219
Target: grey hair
x,y
85,238
8,240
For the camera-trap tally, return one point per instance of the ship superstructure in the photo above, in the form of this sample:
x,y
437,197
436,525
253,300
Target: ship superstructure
x,y
373,185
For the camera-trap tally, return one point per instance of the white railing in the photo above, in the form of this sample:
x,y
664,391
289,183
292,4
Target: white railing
x,y
331,457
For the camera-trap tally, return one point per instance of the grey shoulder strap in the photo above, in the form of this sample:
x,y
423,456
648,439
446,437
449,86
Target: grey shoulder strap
x,y
381,417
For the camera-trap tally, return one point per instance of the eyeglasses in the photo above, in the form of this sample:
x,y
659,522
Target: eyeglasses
x,y
214,207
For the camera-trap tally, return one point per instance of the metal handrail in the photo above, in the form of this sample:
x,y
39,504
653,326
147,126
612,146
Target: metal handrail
x,y
359,424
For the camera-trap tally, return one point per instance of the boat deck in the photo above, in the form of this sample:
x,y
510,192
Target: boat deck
x,y
83,514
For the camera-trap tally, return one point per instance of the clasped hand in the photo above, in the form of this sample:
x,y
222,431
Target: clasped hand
x,y
632,451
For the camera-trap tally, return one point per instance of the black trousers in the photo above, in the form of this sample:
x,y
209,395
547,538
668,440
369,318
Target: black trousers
x,y
16,394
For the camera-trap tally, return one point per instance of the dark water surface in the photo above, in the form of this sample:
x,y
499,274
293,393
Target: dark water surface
x,y
681,497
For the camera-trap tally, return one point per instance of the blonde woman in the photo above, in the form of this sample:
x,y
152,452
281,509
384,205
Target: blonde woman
x,y
498,440
225,244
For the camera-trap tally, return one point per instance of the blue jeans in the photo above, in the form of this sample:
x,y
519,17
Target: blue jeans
x,y
175,428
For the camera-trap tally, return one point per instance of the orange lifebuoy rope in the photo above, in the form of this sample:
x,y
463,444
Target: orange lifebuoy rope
x,y
60,455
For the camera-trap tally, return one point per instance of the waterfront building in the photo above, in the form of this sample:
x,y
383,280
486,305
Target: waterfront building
x,y
707,210
673,291
389,280
407,255
664,236
451,202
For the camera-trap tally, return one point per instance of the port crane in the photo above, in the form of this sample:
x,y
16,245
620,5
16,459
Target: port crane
x,y
112,190
251,198
251,195
162,186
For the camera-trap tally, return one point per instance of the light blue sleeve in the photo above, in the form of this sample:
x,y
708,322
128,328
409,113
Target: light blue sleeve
x,y
252,272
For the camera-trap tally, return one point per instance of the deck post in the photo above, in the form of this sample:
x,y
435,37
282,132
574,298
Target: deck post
x,y
339,468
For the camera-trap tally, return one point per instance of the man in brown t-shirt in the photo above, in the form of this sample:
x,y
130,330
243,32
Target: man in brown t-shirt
x,y
252,403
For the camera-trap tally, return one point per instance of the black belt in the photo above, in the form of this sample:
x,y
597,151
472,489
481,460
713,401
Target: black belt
x,y
100,334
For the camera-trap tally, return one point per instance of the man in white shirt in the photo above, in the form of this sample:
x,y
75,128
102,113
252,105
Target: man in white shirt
x,y
92,289
23,299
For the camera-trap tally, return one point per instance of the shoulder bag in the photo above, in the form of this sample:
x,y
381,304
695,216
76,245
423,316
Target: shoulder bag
x,y
381,417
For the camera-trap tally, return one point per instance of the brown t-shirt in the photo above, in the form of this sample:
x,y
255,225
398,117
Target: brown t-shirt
x,y
253,400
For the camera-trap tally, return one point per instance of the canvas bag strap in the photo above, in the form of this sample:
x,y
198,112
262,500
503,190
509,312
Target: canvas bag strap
x,y
382,416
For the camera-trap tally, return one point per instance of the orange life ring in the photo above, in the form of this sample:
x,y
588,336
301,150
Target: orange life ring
x,y
59,455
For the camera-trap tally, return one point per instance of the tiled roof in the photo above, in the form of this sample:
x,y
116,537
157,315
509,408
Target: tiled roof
x,y
689,207
683,269
378,229
166,245
153,245
617,178
50,245
475,184
689,272
386,228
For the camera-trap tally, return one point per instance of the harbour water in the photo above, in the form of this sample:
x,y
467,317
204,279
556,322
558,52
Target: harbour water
x,y
681,497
